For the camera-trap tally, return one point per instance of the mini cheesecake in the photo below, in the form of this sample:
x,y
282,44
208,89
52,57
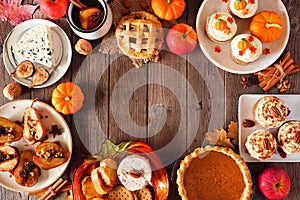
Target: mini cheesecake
x,y
245,49
289,137
261,145
220,27
270,111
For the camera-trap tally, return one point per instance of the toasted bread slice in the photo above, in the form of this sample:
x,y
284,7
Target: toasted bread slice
x,y
88,188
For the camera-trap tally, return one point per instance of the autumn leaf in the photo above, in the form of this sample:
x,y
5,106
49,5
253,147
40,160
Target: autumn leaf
x,y
266,51
217,49
217,16
224,1
218,137
233,132
15,13
230,20
250,38
251,1
252,49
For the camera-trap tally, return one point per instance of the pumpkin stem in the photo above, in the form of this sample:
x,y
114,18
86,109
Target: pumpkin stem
x,y
169,1
67,98
272,25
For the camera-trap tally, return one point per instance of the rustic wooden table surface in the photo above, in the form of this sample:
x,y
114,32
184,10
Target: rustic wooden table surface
x,y
169,104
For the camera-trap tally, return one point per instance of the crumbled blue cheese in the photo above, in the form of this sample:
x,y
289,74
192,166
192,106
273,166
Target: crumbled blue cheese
x,y
35,45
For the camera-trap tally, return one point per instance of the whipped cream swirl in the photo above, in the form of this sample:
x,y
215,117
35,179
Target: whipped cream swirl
x,y
289,137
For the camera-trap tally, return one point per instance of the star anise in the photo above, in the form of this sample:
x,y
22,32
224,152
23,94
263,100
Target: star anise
x,y
55,130
245,82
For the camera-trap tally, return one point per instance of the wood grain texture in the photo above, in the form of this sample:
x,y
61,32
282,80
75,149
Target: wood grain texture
x,y
201,86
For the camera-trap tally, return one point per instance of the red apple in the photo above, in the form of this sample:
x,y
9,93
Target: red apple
x,y
54,9
181,39
274,183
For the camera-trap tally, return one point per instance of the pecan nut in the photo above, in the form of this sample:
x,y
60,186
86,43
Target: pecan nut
x,y
275,111
247,123
297,138
136,173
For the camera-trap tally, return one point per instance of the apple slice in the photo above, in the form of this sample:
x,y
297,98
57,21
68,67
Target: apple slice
x,y
9,158
9,131
34,128
26,172
49,155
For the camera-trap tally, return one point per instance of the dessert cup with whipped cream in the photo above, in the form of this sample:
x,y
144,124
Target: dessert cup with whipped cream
x,y
261,144
243,8
245,48
220,27
289,137
270,111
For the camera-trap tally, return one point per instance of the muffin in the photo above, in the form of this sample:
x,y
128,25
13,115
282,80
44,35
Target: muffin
x,y
289,137
261,144
270,112
245,49
220,27
243,8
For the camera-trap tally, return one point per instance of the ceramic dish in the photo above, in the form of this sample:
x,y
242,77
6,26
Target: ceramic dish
x,y
246,103
14,111
209,7
62,50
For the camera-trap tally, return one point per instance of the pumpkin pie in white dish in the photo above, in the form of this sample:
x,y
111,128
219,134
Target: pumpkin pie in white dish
x,y
214,172
270,111
289,137
220,27
140,36
243,8
245,49
261,144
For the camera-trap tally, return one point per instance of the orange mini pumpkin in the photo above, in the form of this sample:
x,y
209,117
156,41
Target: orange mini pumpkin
x,y
220,25
168,9
240,4
243,44
266,26
67,98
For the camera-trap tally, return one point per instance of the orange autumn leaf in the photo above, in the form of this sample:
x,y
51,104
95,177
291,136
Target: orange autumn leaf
x,y
250,38
227,31
241,53
252,49
266,51
217,49
217,16
251,1
245,11
230,20
224,1
219,137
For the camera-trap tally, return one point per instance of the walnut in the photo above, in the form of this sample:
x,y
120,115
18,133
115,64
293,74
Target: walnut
x,y
283,86
12,91
83,47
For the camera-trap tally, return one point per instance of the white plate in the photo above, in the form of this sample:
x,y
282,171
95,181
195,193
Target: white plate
x,y
223,59
14,111
62,50
246,103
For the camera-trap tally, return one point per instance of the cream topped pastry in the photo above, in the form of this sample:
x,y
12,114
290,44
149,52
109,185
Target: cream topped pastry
x,y
221,27
270,111
245,48
261,144
289,137
243,8
134,172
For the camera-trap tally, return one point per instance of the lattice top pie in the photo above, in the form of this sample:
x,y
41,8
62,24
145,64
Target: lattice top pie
x,y
140,36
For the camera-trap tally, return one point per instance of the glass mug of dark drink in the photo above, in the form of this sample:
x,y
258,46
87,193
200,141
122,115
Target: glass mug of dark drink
x,y
89,19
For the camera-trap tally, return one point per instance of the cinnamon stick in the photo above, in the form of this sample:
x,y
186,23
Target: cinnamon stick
x,y
60,181
56,190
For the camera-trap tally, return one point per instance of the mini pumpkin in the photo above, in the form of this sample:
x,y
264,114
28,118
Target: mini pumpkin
x,y
240,4
168,9
243,44
67,98
266,26
220,25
